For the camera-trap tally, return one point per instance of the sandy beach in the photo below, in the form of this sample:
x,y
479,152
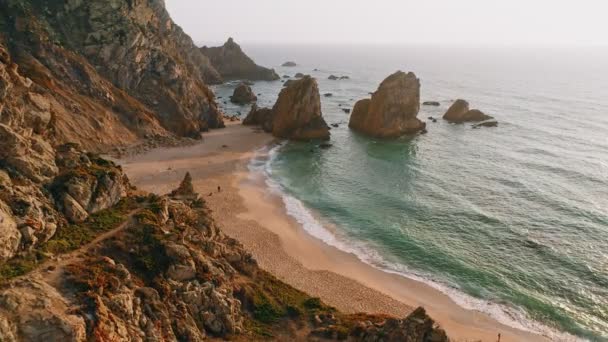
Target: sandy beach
x,y
249,212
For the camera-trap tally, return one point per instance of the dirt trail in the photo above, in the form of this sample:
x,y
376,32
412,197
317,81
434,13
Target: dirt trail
x,y
52,270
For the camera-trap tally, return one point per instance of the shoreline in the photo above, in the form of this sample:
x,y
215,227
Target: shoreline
x,y
247,210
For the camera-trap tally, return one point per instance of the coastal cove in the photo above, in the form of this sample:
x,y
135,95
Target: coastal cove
x,y
248,211
161,180
490,215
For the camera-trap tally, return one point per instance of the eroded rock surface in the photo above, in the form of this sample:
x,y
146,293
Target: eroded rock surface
x,y
459,112
392,110
243,95
297,112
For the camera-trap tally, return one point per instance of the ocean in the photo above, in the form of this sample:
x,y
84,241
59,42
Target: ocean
x,y
511,221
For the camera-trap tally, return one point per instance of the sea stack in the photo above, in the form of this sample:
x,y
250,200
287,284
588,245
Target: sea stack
x,y
233,64
243,95
297,112
392,110
459,112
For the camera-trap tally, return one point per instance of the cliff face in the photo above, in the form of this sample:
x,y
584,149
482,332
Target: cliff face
x,y
232,63
122,60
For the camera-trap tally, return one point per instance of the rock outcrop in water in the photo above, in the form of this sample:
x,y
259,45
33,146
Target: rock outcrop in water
x,y
459,112
392,110
232,63
297,112
243,95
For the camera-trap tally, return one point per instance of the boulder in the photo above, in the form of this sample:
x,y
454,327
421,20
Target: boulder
x,y
87,184
259,116
28,154
333,77
392,110
459,112
289,82
232,63
344,78
299,75
243,95
289,64
297,112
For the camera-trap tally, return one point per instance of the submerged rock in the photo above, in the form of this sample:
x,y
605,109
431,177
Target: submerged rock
x,y
243,95
333,77
297,112
232,63
392,110
289,64
431,103
299,75
459,112
492,123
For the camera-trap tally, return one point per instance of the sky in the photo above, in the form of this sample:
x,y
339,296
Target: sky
x,y
477,22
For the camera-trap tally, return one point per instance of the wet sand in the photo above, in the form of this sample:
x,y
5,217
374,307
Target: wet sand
x,y
249,212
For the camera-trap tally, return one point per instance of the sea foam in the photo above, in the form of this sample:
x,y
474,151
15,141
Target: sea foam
x,y
261,165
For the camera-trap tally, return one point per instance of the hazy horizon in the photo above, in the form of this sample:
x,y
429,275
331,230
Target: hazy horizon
x,y
444,22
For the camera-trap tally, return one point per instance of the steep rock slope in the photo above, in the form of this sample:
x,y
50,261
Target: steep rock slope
x,y
168,273
104,50
232,63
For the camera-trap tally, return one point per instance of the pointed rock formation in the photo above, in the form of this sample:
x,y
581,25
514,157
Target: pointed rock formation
x,y
232,63
297,112
392,110
185,189
459,112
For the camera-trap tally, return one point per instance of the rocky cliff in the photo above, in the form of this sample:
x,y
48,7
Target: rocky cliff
x,y
120,65
233,64
392,110
164,271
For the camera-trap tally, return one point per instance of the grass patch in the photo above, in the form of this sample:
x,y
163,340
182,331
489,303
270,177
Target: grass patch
x,y
19,266
73,236
270,301
69,238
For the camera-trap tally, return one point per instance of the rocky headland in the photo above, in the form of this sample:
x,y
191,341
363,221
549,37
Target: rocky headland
x,y
391,112
233,64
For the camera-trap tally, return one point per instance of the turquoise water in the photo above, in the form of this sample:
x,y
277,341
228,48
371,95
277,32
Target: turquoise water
x,y
511,220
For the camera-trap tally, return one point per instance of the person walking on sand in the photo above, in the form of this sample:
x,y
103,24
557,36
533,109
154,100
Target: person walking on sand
x,y
219,189
498,337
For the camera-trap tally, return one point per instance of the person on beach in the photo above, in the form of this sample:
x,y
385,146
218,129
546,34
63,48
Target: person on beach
x,y
219,189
